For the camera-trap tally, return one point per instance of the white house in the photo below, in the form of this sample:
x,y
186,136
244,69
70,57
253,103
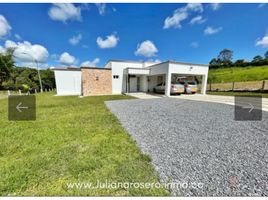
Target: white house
x,y
120,76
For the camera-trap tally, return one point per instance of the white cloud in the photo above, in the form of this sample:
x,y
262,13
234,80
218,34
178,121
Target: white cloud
x,y
194,44
197,20
10,44
110,41
181,14
101,7
196,7
18,37
75,39
67,59
157,60
154,60
146,49
210,30
33,65
27,52
263,42
4,27
2,49
89,63
175,20
215,6
64,12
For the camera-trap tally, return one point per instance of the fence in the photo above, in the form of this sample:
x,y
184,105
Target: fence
x,y
6,93
239,86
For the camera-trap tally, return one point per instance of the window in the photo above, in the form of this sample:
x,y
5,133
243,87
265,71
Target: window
x,y
116,76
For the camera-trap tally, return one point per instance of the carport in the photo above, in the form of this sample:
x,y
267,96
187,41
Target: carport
x,y
167,69
146,78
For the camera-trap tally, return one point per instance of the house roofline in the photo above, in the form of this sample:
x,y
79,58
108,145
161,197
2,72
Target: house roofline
x,y
168,61
187,63
98,68
176,62
128,61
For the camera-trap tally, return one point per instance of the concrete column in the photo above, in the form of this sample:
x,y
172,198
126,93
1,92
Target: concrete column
x,y
204,84
127,78
168,84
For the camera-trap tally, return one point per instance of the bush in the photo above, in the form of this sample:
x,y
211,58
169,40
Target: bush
x,y
25,88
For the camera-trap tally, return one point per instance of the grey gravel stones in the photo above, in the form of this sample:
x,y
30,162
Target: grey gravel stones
x,y
192,142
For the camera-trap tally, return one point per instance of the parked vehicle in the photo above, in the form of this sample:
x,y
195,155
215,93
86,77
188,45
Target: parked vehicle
x,y
175,88
192,85
187,87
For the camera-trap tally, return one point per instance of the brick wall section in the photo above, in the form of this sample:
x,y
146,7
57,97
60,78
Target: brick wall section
x,y
96,81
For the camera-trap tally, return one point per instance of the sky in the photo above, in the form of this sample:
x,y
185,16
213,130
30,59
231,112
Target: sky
x,y
90,34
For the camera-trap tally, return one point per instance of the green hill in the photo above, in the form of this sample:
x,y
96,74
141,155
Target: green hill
x,y
238,74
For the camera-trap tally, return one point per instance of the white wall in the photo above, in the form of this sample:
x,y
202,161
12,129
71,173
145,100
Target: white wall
x,y
188,69
159,69
119,85
68,82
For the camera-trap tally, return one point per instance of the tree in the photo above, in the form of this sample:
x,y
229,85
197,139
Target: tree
x,y
257,59
226,56
6,65
214,63
266,54
48,79
241,63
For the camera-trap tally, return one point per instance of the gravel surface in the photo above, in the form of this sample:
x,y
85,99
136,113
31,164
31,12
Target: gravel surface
x,y
198,146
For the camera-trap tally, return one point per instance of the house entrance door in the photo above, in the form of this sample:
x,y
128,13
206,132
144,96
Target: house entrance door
x,y
133,84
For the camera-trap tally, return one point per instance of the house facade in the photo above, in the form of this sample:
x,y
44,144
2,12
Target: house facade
x,y
119,76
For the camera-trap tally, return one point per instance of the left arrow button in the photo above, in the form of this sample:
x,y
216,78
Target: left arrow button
x,y
19,107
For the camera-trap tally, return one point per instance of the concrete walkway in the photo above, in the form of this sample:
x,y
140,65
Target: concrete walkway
x,y
218,99
143,95
197,97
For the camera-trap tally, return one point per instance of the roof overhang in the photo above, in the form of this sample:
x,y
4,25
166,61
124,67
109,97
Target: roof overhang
x,y
137,71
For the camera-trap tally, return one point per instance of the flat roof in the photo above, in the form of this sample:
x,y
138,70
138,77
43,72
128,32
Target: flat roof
x,y
77,69
98,68
186,63
176,62
129,61
156,63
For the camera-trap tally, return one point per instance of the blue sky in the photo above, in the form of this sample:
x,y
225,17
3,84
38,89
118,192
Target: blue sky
x,y
90,34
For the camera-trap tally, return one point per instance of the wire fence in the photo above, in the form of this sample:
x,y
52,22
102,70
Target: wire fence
x,y
5,93
248,86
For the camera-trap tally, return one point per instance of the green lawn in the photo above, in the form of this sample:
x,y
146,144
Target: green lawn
x,y
264,95
3,94
238,74
73,140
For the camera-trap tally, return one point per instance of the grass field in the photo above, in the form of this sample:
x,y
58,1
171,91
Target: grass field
x,y
238,74
264,95
3,94
74,140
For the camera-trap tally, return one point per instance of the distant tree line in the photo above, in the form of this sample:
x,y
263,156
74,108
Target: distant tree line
x,y
225,59
24,78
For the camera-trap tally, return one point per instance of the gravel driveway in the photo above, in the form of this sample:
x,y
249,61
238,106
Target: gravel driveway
x,y
198,145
